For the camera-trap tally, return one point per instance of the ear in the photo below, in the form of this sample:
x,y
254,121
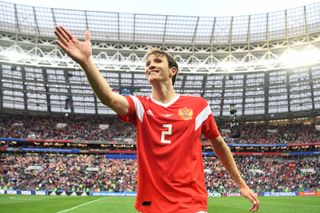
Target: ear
x,y
173,71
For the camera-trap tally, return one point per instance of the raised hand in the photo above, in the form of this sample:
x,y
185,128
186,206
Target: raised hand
x,y
79,51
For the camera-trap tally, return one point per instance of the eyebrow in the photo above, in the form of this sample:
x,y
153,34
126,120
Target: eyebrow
x,y
155,58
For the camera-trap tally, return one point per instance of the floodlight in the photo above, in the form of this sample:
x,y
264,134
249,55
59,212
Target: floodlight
x,y
293,58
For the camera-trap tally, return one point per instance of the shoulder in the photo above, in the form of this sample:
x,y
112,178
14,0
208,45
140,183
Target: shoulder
x,y
195,99
195,102
139,100
138,97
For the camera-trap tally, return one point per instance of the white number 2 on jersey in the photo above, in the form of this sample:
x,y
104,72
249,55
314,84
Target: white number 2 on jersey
x,y
168,131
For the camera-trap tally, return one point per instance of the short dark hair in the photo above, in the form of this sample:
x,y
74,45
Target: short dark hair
x,y
171,61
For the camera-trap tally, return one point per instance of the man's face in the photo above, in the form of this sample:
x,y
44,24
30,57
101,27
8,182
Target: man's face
x,y
157,68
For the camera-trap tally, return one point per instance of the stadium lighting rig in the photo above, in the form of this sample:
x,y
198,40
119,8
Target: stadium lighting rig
x,y
290,58
12,55
295,58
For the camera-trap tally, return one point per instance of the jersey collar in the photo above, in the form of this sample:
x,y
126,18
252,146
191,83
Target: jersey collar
x,y
166,104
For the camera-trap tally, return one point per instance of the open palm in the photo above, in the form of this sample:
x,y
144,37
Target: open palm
x,y
79,51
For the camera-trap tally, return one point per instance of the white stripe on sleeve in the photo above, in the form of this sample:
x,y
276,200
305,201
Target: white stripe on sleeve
x,y
203,115
139,107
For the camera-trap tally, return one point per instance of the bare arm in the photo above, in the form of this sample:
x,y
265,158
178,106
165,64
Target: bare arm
x,y
81,52
224,154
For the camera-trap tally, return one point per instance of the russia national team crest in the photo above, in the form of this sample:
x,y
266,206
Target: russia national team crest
x,y
185,113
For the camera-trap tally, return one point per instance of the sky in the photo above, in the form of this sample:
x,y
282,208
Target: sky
x,y
173,7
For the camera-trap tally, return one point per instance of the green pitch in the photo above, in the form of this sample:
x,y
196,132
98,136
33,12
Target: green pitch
x,y
70,204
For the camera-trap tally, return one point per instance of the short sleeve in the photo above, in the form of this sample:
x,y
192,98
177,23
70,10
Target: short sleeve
x,y
209,128
130,117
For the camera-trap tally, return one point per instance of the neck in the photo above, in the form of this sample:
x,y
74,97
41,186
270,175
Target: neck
x,y
163,93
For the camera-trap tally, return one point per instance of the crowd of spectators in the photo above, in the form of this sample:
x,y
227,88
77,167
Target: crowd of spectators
x,y
69,172
284,134
82,128
266,174
94,173
112,129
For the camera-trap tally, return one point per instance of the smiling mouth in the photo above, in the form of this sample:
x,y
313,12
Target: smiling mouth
x,y
152,72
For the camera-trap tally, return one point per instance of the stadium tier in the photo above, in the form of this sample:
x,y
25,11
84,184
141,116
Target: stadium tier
x,y
280,158
265,65
99,173
259,73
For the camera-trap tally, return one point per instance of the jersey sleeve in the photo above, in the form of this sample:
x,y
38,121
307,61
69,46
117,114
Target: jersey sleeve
x,y
130,117
208,125
209,128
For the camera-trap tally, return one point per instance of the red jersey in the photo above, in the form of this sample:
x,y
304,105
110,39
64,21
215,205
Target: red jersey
x,y
169,152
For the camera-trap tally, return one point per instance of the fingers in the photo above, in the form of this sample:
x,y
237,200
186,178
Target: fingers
x,y
87,36
255,202
62,45
247,193
254,207
67,35
63,37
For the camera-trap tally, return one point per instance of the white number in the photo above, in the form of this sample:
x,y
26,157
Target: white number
x,y
166,132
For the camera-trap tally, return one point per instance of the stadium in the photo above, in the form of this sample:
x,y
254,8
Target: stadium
x,y
62,150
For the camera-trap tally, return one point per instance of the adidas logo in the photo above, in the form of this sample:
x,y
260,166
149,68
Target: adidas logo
x,y
149,112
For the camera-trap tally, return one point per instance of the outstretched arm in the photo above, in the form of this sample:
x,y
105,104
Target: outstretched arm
x,y
224,154
81,53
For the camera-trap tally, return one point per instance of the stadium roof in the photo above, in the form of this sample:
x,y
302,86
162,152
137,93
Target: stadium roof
x,y
253,62
202,44
163,29
176,7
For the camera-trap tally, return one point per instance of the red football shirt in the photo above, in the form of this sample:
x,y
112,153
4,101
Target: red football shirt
x,y
169,152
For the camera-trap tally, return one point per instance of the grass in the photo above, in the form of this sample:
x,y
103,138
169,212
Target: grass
x,y
76,204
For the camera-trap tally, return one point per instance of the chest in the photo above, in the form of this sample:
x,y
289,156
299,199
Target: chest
x,y
180,117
